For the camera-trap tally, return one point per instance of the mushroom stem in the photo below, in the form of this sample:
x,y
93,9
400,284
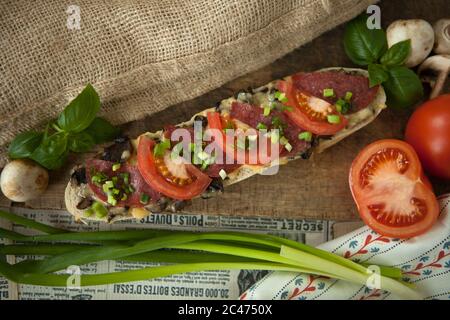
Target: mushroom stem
x,y
439,85
439,67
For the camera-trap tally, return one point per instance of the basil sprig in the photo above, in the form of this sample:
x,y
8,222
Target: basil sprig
x,y
368,47
77,129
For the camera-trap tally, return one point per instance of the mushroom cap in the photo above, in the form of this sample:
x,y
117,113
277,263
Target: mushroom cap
x,y
442,36
421,34
22,180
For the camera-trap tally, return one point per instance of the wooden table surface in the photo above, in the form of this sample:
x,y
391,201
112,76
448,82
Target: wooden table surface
x,y
314,188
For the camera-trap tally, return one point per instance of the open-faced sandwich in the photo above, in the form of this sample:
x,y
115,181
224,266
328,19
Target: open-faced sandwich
x,y
288,119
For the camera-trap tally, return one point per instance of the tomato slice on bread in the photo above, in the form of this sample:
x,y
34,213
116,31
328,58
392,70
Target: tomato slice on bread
x,y
262,156
182,181
390,190
311,113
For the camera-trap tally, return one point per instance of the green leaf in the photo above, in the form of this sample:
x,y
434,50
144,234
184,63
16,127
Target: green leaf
x,y
80,113
102,131
81,142
52,152
403,88
362,45
377,74
397,54
24,144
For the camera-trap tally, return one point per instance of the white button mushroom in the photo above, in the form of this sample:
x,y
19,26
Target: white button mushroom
x,y
421,34
442,36
23,180
435,70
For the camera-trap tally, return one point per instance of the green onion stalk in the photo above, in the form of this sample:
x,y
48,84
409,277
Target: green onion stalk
x,y
178,251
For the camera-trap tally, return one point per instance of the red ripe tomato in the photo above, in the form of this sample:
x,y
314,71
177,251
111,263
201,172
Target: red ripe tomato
x,y
175,180
311,113
216,121
392,195
428,131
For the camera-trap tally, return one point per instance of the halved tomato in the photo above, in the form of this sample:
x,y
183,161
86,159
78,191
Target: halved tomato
x,y
216,121
182,181
390,190
311,113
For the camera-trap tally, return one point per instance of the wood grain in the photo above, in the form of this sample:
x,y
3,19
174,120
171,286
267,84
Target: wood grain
x,y
314,188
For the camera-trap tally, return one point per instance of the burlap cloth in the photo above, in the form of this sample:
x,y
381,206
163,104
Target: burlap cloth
x,y
142,55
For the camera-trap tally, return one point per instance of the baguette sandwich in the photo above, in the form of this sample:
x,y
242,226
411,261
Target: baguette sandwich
x,y
292,118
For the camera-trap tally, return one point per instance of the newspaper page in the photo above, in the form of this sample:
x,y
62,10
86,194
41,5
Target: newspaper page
x,y
226,284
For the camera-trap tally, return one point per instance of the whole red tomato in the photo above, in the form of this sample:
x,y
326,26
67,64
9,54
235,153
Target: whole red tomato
x,y
428,131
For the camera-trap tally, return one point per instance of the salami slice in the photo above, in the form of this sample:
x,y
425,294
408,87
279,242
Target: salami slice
x,y
136,181
252,115
315,82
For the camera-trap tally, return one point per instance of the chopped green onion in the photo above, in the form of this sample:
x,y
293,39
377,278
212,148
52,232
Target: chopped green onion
x,y
126,177
305,135
222,174
161,148
116,166
267,110
99,209
115,191
124,197
192,146
278,123
348,96
129,189
288,147
109,184
285,108
261,126
342,106
284,141
99,178
205,165
333,118
144,198
281,96
88,212
203,155
111,200
105,189
328,92
274,136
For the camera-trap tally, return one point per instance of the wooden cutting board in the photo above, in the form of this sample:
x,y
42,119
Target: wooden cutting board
x,y
315,188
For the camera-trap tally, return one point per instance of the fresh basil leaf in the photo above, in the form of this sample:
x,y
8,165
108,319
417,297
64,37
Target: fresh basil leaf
x,y
24,144
52,152
362,45
403,88
81,111
397,54
81,142
377,74
102,131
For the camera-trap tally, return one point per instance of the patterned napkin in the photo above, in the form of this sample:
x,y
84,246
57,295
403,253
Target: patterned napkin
x,y
425,261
